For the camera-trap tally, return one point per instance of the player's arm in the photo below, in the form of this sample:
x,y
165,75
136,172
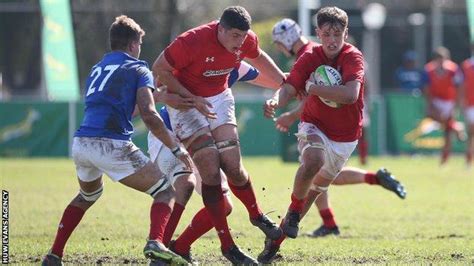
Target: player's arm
x,y
161,95
151,118
271,74
163,71
162,68
285,120
345,94
280,99
155,124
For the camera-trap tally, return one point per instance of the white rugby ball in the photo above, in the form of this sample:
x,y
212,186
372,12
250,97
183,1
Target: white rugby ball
x,y
327,76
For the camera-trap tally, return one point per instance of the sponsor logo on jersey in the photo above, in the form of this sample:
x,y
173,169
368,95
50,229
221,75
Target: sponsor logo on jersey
x,y
212,73
237,54
209,59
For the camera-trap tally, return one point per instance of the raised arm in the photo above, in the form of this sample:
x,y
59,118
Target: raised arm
x,y
268,69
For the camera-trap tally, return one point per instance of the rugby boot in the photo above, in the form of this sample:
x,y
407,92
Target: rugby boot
x,y
290,224
388,181
323,231
268,227
188,256
237,257
158,253
269,252
52,260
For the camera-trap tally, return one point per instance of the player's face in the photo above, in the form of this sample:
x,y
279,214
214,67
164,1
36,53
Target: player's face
x,y
231,39
332,39
280,47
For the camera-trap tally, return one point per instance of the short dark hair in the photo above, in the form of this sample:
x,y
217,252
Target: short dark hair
x,y
236,17
332,15
123,31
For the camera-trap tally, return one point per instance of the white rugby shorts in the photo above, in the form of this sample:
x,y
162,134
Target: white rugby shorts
x,y
171,166
94,156
443,107
469,115
336,153
164,158
186,123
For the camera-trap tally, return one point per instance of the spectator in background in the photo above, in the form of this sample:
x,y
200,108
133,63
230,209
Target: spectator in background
x,y
467,94
444,79
409,78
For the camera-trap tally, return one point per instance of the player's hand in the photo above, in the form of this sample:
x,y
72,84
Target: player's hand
x,y
178,102
202,105
183,156
284,121
309,84
269,108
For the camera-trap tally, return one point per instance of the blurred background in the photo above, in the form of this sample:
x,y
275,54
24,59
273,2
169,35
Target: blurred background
x,y
47,48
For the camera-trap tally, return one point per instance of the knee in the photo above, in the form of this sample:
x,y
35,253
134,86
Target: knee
x,y
184,187
84,200
234,171
311,167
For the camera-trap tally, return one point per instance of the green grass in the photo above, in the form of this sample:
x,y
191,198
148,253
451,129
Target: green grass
x,y
435,224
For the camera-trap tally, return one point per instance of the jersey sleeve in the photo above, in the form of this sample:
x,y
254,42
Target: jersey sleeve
x,y
300,72
145,77
353,68
179,53
253,47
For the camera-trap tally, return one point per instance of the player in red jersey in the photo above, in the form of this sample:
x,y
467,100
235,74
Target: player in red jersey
x,y
327,136
468,104
197,65
288,39
444,78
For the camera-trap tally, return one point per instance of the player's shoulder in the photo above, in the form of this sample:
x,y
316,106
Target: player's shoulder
x,y
448,64
200,34
349,50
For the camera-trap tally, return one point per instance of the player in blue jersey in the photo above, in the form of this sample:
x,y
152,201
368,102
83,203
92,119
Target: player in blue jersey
x,y
185,181
103,143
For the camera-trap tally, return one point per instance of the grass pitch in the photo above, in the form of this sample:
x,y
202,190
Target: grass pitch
x,y
435,224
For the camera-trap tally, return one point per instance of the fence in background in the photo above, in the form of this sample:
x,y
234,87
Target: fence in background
x,y
46,129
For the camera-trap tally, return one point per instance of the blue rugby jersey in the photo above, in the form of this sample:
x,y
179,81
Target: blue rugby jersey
x,y
110,96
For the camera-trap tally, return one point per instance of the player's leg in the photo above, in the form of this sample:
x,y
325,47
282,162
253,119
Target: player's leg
x,y
90,182
200,225
353,175
323,205
135,170
239,181
88,194
181,178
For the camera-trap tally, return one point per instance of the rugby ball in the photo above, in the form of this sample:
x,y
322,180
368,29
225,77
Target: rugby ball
x,y
327,76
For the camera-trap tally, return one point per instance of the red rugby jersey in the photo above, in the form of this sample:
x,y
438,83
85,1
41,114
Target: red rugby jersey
x,y
306,48
442,85
341,124
202,65
468,70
